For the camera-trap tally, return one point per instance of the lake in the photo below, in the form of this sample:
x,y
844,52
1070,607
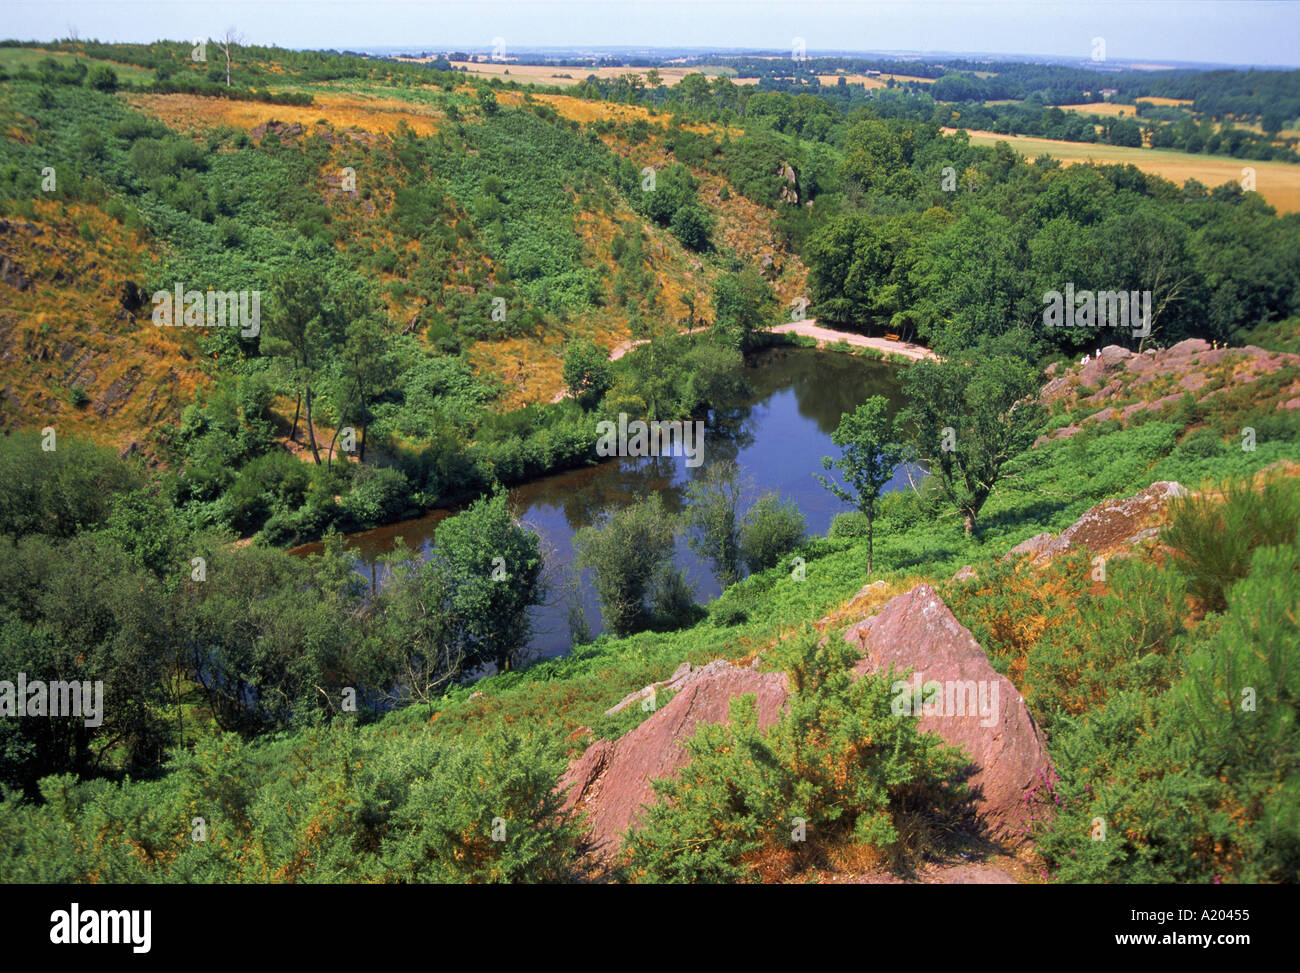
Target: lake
x,y
777,435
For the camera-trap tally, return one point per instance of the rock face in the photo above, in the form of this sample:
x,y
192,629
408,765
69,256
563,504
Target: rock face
x,y
13,275
1114,524
675,681
282,129
611,781
974,708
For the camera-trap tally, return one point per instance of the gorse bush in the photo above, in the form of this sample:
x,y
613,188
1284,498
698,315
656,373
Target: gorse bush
x,y
838,760
358,808
1201,782
1213,539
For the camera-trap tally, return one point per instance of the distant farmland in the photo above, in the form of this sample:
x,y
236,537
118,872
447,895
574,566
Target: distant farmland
x,y
560,76
1277,182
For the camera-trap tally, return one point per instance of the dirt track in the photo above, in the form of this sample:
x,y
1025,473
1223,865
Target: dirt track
x,y
809,329
824,336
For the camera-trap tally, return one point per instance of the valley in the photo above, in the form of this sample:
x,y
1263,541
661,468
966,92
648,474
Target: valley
x,y
745,467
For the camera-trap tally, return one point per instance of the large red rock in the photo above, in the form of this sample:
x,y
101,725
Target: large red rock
x,y
977,709
611,780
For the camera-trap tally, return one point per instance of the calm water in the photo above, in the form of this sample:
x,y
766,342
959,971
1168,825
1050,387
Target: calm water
x,y
777,436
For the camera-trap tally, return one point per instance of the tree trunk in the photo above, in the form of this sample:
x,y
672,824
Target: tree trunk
x,y
311,429
329,455
871,547
362,455
969,517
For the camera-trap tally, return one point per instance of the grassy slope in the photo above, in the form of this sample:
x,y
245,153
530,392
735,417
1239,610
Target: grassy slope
x,y
67,330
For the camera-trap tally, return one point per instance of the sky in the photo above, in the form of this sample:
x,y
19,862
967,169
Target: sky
x,y
1248,32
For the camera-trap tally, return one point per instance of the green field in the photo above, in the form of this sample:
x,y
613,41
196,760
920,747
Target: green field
x,y
14,59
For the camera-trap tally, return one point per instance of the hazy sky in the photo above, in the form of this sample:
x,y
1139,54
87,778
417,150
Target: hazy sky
x,y
1218,31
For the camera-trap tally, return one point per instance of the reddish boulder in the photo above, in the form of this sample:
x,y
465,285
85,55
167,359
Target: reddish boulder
x,y
611,781
1110,358
961,697
1111,524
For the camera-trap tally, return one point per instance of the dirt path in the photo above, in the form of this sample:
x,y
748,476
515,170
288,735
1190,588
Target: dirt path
x,y
809,329
623,347
825,336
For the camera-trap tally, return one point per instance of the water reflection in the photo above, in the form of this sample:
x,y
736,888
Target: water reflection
x,y
777,436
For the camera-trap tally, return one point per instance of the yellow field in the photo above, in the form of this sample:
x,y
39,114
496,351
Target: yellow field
x,y
1286,133
1277,182
1107,109
872,82
1166,102
1112,109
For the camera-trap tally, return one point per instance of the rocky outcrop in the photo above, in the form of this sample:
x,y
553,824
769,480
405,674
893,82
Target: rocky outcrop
x,y
611,780
281,129
789,191
13,275
1114,525
1031,546
1116,374
961,697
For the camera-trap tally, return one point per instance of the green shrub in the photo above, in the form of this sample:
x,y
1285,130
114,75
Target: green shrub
x,y
61,490
1213,540
626,553
102,78
770,530
850,524
378,495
